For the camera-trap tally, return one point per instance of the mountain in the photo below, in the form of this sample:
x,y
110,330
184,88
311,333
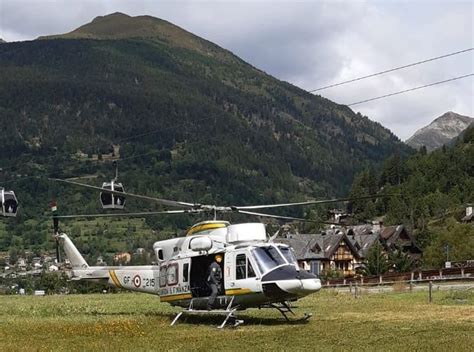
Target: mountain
x,y
120,26
441,131
2,41
190,121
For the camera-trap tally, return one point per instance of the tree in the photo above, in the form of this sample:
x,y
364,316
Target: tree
x,y
459,238
377,262
400,261
365,183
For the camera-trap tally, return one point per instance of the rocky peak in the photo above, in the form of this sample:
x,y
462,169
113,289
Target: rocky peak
x,y
441,131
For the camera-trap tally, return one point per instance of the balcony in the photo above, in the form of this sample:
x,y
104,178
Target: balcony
x,y
343,257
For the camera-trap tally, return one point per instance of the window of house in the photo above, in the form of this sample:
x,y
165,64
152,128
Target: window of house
x,y
314,267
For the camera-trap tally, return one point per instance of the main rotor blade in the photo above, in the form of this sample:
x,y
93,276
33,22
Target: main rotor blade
x,y
129,214
171,203
284,217
308,202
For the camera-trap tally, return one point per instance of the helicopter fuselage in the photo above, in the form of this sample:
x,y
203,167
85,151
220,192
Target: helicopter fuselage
x,y
255,273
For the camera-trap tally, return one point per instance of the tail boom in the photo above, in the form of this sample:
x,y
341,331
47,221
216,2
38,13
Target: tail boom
x,y
143,278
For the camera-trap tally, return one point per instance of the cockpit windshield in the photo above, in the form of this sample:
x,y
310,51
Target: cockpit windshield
x,y
267,258
288,254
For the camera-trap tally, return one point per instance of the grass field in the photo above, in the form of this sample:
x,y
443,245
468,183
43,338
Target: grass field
x,y
122,322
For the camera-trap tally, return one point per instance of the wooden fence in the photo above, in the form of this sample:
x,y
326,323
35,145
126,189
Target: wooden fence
x,y
414,276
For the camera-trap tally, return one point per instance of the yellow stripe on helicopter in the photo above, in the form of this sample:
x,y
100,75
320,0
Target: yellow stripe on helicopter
x,y
114,278
207,225
238,291
177,297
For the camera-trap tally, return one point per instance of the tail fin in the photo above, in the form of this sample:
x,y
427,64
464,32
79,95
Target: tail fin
x,y
76,259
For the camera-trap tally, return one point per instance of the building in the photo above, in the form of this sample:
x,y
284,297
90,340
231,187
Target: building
x,y
21,264
339,216
140,251
469,215
345,252
398,237
324,253
390,237
122,258
100,261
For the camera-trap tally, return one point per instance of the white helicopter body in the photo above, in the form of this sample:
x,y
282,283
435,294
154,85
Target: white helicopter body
x,y
256,273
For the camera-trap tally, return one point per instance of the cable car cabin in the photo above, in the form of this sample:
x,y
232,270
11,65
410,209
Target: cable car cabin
x,y
9,203
110,200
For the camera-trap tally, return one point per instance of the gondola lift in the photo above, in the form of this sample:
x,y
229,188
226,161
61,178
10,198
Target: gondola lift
x,y
110,200
8,203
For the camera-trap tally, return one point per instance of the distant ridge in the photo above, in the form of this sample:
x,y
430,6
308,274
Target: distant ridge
x,y
441,131
2,41
121,26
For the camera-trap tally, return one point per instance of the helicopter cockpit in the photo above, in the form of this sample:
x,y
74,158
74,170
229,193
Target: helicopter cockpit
x,y
271,256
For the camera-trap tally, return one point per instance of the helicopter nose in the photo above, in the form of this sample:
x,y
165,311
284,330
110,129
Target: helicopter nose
x,y
288,279
300,287
310,286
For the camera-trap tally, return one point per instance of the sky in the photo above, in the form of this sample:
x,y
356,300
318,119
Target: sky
x,y
310,44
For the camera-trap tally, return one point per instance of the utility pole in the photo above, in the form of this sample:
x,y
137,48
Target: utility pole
x,y
378,258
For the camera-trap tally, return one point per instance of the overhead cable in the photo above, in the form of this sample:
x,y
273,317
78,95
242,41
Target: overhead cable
x,y
410,90
391,70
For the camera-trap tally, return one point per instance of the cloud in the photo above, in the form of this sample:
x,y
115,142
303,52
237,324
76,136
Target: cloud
x,y
309,43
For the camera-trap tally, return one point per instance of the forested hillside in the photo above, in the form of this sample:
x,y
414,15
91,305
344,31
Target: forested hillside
x,y
190,121
433,191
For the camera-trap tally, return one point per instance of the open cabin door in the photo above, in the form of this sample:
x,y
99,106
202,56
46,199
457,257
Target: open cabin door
x,y
199,273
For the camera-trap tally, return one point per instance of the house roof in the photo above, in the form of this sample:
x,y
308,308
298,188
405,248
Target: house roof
x,y
360,239
305,245
365,241
317,246
392,235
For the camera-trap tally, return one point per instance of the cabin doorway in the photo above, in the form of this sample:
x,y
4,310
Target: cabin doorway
x,y
199,274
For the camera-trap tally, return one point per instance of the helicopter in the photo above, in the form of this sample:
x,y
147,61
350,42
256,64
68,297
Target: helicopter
x,y
257,271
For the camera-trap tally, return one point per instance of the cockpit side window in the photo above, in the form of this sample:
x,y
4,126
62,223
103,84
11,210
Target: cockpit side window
x,y
250,271
288,254
241,266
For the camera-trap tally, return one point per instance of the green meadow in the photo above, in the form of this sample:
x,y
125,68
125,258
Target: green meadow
x,y
340,322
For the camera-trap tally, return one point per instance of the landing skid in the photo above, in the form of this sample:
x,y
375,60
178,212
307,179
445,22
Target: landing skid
x,y
284,308
228,313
